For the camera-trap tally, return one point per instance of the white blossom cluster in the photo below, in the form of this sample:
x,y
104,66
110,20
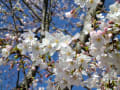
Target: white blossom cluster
x,y
30,45
87,3
71,67
100,50
70,72
114,13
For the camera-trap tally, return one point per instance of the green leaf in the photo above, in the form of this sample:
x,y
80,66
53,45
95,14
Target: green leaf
x,y
16,56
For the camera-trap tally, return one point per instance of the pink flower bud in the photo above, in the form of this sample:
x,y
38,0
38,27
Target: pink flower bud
x,y
18,69
111,22
105,29
11,65
73,11
47,75
99,22
118,1
53,61
33,68
70,14
109,26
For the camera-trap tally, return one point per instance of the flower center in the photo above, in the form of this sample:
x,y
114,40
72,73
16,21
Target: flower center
x,y
37,47
68,53
116,9
56,41
98,39
30,37
49,46
82,60
91,1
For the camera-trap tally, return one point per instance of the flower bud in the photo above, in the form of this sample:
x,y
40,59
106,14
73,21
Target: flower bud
x,y
111,22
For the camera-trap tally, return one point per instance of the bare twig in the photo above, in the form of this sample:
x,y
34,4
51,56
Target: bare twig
x,y
17,83
33,11
31,73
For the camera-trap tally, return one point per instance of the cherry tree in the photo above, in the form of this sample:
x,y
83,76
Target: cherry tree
x,y
61,43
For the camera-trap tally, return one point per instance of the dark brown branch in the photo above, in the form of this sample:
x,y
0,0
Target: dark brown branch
x,y
44,15
17,83
11,29
28,79
13,15
9,10
83,37
32,73
33,11
26,85
36,5
49,15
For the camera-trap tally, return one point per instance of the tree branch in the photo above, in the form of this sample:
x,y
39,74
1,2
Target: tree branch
x,y
83,37
33,11
32,73
44,15
17,83
10,9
